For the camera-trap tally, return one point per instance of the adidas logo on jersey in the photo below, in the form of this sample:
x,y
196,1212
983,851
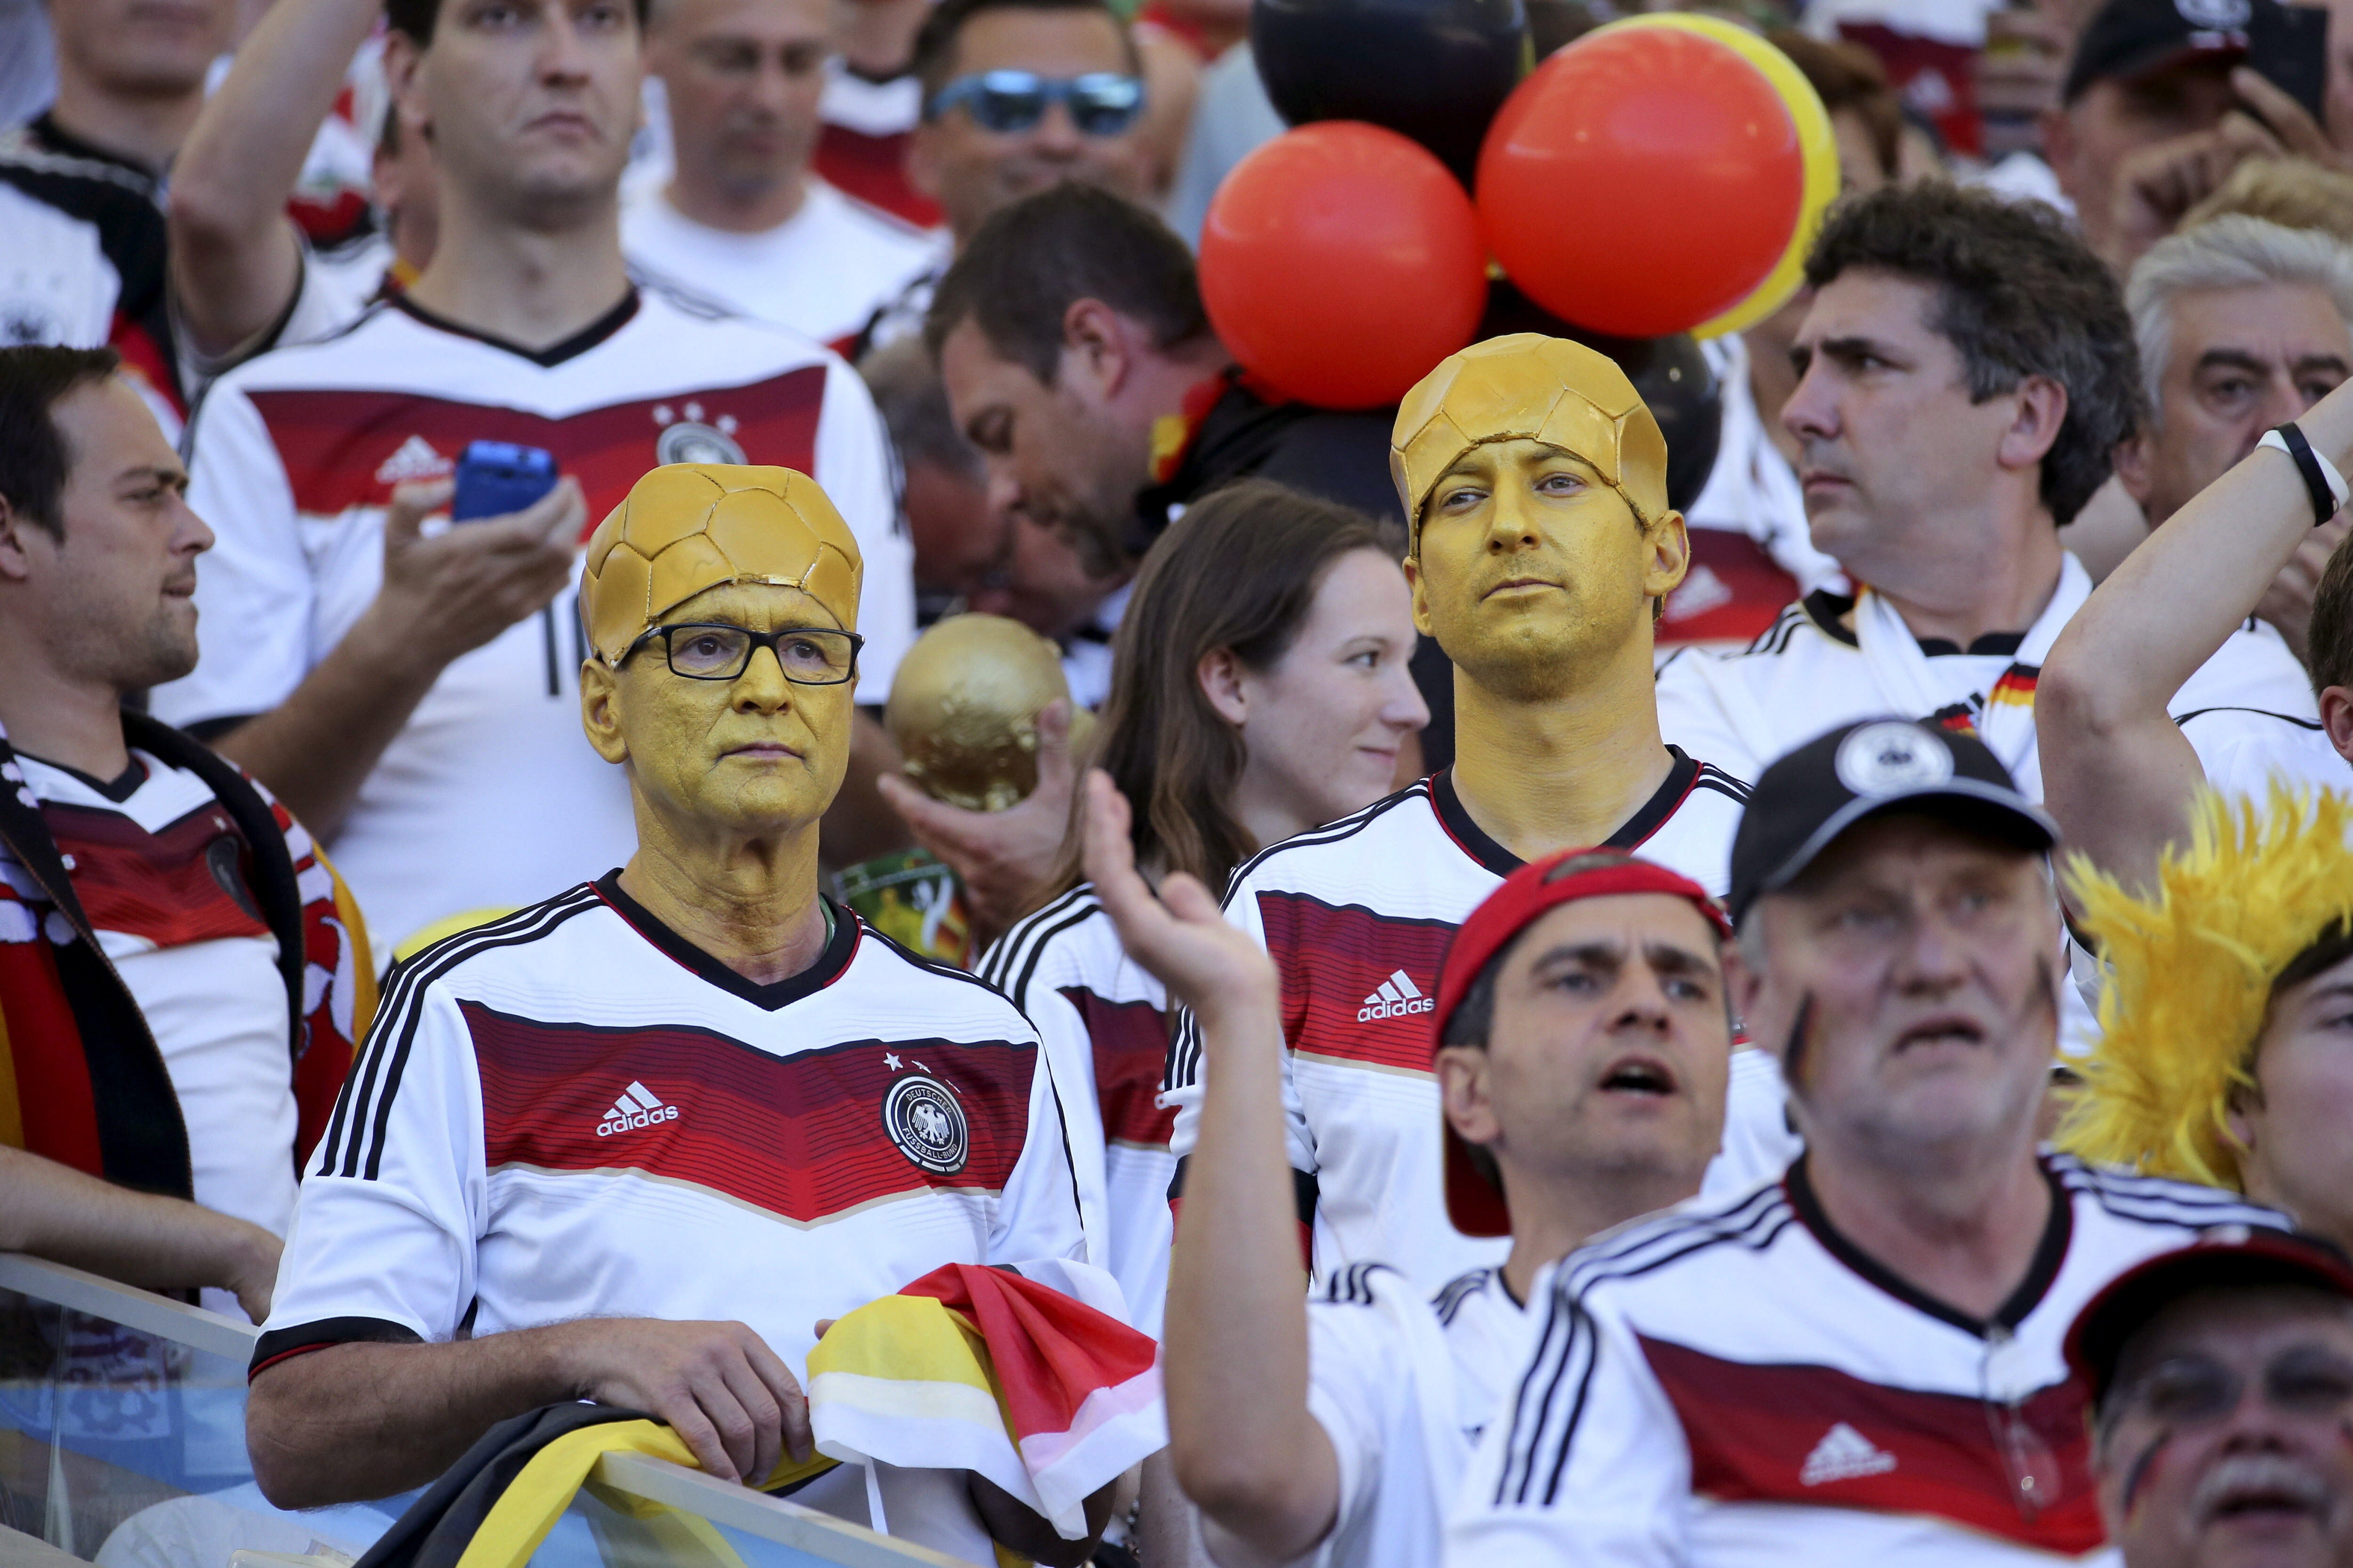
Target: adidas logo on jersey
x,y
1397,997
414,459
637,1108
1844,1455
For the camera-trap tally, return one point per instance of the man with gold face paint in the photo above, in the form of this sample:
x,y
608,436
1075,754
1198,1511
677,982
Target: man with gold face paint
x,y
630,1145
1534,479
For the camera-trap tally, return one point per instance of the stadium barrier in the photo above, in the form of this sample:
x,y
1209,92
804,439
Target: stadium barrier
x,y
122,1443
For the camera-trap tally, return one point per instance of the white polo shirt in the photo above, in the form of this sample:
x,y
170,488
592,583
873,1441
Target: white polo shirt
x,y
490,797
2244,749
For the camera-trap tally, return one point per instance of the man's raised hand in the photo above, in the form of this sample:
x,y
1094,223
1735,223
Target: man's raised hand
x,y
449,592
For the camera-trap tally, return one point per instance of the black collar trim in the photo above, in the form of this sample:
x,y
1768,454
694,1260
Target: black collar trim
x,y
117,789
1631,833
1827,610
2049,1254
548,358
829,967
58,139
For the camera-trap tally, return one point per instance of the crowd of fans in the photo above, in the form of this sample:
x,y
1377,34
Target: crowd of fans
x,y
1723,953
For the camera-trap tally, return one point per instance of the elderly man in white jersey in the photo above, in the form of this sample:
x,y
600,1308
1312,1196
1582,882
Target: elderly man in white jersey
x,y
1966,372
743,219
632,1143
408,688
1534,480
1582,1038
1861,1362
2124,761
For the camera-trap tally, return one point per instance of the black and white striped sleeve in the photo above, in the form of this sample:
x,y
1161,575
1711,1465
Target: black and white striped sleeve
x,y
1585,1462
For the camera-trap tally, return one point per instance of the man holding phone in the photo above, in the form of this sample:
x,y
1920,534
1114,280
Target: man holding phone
x,y
392,676
2165,98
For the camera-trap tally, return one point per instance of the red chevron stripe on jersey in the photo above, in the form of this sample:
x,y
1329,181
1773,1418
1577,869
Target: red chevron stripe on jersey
x,y
800,1136
1341,965
1813,1434
1131,1051
345,450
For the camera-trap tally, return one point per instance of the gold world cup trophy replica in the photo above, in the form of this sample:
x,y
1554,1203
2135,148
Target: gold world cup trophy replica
x,y
964,714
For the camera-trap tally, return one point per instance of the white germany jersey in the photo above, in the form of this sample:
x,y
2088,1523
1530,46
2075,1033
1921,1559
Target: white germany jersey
x,y
490,795
1104,1023
2244,749
1735,1383
823,271
1356,916
1402,1387
1809,673
573,1112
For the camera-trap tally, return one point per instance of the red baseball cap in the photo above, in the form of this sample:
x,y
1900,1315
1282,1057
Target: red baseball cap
x,y
1473,1202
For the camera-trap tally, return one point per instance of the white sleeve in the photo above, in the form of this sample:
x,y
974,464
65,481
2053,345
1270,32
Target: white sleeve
x,y
1693,715
855,466
1360,1390
1183,1090
2243,752
1587,1465
392,1206
1068,1055
1038,1216
256,597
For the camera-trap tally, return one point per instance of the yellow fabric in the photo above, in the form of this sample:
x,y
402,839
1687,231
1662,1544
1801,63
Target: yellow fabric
x,y
537,1498
911,1341
426,935
347,910
2190,977
1527,385
688,527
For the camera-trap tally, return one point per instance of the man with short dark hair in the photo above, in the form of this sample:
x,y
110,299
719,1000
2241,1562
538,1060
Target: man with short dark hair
x,y
182,977
1019,96
1967,373
2221,1385
412,690
1861,1361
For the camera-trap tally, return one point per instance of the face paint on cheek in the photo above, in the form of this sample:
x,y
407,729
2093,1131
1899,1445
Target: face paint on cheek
x,y
2138,1475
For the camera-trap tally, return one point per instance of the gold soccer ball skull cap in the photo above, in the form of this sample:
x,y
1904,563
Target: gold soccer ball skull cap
x,y
1529,386
686,527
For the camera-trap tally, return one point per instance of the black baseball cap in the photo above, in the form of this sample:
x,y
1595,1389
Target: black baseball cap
x,y
2228,1256
1807,799
2131,38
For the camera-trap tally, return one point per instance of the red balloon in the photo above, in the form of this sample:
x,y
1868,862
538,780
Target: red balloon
x,y
1642,180
1340,262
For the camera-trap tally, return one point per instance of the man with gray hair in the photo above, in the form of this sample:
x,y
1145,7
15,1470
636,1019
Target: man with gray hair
x,y
2243,325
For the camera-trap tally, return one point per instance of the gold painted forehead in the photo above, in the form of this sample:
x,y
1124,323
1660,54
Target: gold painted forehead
x,y
688,527
1529,386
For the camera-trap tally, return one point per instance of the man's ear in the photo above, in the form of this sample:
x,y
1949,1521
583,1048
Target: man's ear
x,y
403,66
1413,580
2041,410
1099,348
924,162
15,545
2131,462
2058,147
1669,542
1466,1090
2336,719
600,717
1220,675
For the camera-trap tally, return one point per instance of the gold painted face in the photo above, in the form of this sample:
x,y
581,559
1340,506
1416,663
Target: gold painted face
x,y
757,757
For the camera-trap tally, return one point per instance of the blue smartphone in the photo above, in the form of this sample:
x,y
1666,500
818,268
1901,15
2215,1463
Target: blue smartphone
x,y
495,478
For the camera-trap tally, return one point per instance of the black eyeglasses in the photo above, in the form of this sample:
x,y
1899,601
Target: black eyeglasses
x,y
713,650
1102,103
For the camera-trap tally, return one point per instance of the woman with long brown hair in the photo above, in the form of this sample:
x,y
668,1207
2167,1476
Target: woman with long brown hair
x,y
1259,689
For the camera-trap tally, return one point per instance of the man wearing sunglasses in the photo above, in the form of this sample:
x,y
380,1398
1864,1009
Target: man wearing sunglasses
x,y
1861,1362
630,1145
2222,1383
1019,95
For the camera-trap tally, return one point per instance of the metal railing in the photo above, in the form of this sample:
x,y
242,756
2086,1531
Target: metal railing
x,y
122,1439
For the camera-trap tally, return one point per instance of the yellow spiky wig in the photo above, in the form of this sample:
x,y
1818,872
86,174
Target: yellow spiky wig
x,y
2190,977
